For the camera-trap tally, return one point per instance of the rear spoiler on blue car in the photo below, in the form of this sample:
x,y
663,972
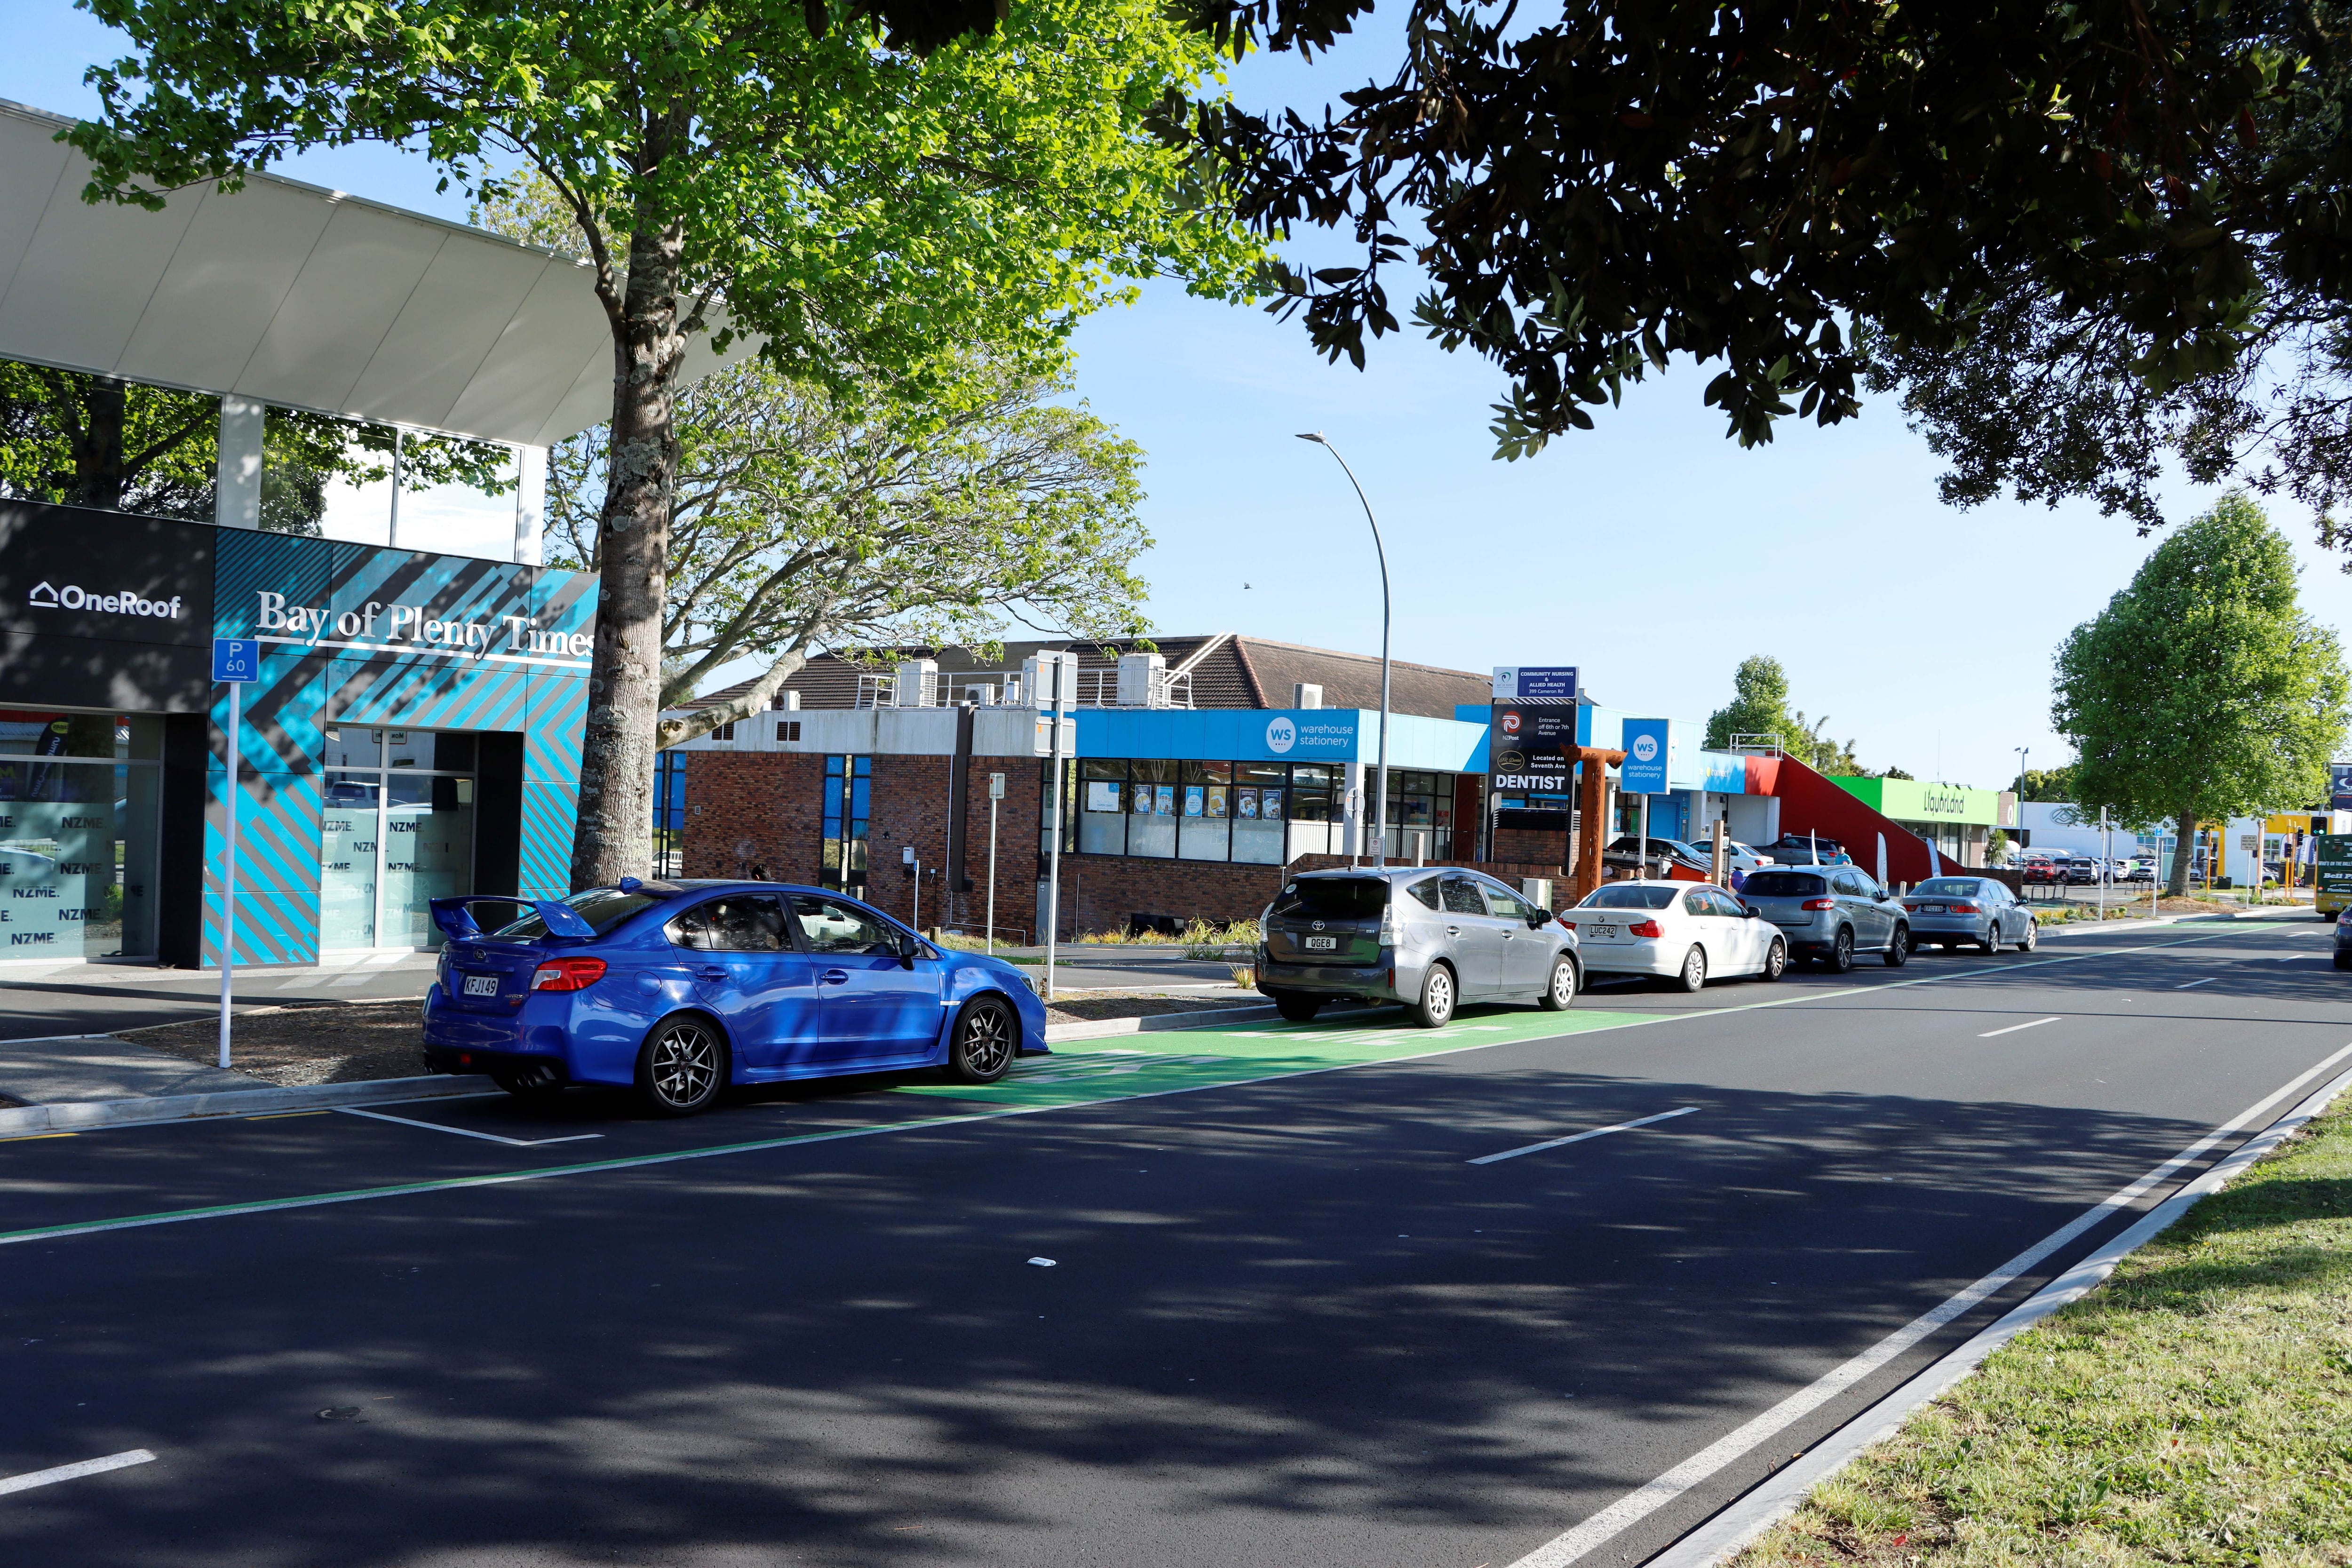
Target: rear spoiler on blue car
x,y
456,916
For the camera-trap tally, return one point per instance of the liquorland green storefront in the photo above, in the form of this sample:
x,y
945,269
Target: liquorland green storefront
x,y
1955,819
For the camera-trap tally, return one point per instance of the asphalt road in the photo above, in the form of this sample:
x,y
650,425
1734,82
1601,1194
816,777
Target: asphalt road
x,y
1287,1321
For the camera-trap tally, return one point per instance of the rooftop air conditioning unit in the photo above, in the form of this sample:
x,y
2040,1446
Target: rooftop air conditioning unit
x,y
1306,695
1142,680
919,683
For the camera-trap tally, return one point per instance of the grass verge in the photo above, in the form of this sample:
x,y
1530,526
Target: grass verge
x,y
2196,1409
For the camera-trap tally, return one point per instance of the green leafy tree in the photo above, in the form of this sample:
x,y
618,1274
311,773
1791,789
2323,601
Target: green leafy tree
x,y
2050,784
1595,191
97,441
2202,691
807,521
860,189
1759,707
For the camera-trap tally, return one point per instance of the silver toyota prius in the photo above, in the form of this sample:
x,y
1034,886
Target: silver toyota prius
x,y
1429,937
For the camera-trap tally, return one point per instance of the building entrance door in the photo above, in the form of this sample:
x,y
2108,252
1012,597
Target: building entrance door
x,y
396,831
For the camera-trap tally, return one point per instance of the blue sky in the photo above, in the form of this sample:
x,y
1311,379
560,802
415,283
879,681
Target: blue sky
x,y
1652,551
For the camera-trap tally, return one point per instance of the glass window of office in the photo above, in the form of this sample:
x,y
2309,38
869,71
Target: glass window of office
x,y
80,799
1421,815
395,831
848,802
1263,813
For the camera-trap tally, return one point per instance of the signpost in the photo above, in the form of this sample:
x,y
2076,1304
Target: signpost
x,y
995,793
1058,678
1647,744
1531,737
236,660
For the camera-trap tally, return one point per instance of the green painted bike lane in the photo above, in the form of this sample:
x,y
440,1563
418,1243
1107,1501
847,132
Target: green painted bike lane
x,y
1123,1067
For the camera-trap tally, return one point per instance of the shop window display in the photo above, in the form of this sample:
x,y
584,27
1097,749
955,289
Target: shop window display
x,y
79,825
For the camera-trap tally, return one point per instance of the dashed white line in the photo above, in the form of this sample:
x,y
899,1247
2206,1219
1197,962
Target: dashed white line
x,y
2037,1023
26,1482
1581,1137
469,1132
2207,981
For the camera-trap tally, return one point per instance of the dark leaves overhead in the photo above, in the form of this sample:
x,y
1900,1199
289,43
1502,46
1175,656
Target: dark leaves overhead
x,y
1740,181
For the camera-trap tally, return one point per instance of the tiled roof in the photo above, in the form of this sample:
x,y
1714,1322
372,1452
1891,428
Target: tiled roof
x,y
1228,671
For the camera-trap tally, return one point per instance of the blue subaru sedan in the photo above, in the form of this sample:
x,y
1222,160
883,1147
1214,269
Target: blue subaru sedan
x,y
681,988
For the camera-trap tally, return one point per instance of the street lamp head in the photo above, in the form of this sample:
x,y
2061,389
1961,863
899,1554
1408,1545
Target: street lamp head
x,y
1314,435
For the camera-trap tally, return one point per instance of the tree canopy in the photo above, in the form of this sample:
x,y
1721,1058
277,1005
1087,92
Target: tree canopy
x,y
808,521
862,190
2202,691
1741,180
1759,711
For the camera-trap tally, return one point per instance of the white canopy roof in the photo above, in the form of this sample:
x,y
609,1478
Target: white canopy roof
x,y
290,294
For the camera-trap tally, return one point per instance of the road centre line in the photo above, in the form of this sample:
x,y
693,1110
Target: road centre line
x,y
74,1472
1579,1137
2037,1023
2207,981
632,1162
1574,1544
465,1132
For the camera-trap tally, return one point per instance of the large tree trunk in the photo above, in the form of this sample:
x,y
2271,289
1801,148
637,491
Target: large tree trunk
x,y
2184,847
614,835
98,460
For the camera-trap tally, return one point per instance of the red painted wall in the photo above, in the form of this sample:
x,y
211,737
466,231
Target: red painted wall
x,y
1810,802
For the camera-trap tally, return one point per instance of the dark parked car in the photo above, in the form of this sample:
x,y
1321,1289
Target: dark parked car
x,y
2344,939
1829,913
1806,849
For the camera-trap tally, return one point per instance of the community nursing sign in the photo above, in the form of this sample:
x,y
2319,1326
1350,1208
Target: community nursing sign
x,y
1536,683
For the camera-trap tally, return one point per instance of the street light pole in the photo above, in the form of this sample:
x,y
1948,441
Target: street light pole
x,y
1381,805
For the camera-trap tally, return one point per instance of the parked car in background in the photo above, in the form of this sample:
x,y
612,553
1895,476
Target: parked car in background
x,y
1807,849
1828,914
2344,938
1746,857
1626,854
1949,911
2139,870
1429,939
2082,870
1675,930
682,988
2043,869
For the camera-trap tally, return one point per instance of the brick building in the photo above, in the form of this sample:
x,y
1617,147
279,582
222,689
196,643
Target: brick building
x,y
1204,768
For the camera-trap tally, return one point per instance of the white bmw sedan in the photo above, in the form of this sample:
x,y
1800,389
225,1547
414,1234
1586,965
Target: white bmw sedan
x,y
1675,930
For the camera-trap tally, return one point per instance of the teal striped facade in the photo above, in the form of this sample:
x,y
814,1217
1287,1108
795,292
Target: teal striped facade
x,y
519,672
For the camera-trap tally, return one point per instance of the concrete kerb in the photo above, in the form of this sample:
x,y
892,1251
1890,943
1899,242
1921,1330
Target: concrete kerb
x,y
76,1116
1206,1019
1739,1526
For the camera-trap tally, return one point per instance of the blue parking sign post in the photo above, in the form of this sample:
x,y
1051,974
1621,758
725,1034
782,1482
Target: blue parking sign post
x,y
236,660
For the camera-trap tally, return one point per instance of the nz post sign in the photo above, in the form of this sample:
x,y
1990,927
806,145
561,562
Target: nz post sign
x,y
1648,747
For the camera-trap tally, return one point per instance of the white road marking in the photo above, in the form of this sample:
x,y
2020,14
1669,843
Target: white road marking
x,y
1579,1137
2037,1023
469,1132
2207,981
123,1460
1635,1506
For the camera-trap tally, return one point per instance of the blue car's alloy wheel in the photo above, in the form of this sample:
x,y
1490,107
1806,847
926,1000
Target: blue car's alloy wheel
x,y
986,1038
682,1067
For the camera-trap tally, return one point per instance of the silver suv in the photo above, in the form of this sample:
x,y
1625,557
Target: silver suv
x,y
1428,937
1831,913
